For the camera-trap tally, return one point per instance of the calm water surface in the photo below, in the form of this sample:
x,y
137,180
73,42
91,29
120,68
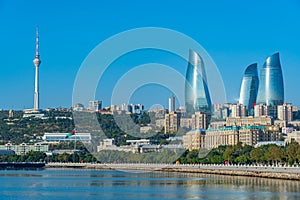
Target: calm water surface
x,y
53,184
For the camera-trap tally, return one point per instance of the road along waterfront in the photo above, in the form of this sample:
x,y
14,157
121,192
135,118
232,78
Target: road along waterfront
x,y
278,172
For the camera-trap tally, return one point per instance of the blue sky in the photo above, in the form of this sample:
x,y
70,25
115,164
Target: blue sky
x,y
234,33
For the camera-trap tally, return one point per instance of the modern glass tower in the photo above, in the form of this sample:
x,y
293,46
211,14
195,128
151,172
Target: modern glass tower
x,y
249,87
197,96
271,90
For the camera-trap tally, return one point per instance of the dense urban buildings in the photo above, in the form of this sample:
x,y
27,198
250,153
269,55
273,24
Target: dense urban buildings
x,y
249,87
197,97
195,121
258,117
229,135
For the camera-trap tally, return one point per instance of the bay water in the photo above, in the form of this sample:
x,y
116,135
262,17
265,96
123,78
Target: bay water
x,y
50,184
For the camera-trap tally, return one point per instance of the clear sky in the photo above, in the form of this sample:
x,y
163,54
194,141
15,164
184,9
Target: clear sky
x,y
234,33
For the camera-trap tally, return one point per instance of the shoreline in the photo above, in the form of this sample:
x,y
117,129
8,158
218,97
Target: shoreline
x,y
21,165
285,173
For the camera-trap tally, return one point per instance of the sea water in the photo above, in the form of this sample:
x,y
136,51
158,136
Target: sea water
x,y
50,184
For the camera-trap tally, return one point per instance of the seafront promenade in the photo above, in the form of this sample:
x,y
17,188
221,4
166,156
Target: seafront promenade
x,y
279,172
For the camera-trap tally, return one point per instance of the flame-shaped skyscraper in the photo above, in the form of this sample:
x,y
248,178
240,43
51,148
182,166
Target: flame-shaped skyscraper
x,y
271,90
249,87
36,62
197,96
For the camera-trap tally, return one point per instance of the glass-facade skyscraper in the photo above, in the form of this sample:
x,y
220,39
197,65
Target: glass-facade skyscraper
x,y
271,89
249,87
197,96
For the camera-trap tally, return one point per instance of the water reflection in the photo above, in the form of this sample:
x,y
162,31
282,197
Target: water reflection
x,y
152,185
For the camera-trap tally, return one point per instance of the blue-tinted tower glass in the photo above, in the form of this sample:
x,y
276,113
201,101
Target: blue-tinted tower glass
x,y
249,87
271,89
197,96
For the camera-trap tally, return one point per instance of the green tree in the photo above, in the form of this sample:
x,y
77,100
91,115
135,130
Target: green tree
x,y
35,156
216,159
291,152
257,155
242,159
274,154
228,153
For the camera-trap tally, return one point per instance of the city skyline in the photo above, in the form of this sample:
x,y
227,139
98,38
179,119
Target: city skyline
x,y
235,35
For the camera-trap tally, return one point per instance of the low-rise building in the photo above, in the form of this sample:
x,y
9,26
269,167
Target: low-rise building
x,y
250,121
278,143
23,148
186,123
295,123
194,140
145,129
217,124
293,137
61,137
280,123
251,135
107,144
221,136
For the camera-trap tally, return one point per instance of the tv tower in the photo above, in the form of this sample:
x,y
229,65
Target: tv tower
x,y
36,62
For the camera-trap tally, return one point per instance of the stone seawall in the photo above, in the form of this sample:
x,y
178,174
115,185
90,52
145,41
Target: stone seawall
x,y
287,173
262,174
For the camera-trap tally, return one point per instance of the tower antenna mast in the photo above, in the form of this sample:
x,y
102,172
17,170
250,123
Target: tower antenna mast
x,y
36,62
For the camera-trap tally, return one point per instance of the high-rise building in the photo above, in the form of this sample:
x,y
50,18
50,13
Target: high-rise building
x,y
172,102
95,105
200,120
271,90
197,96
36,62
172,121
260,110
249,88
238,110
285,112
10,113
